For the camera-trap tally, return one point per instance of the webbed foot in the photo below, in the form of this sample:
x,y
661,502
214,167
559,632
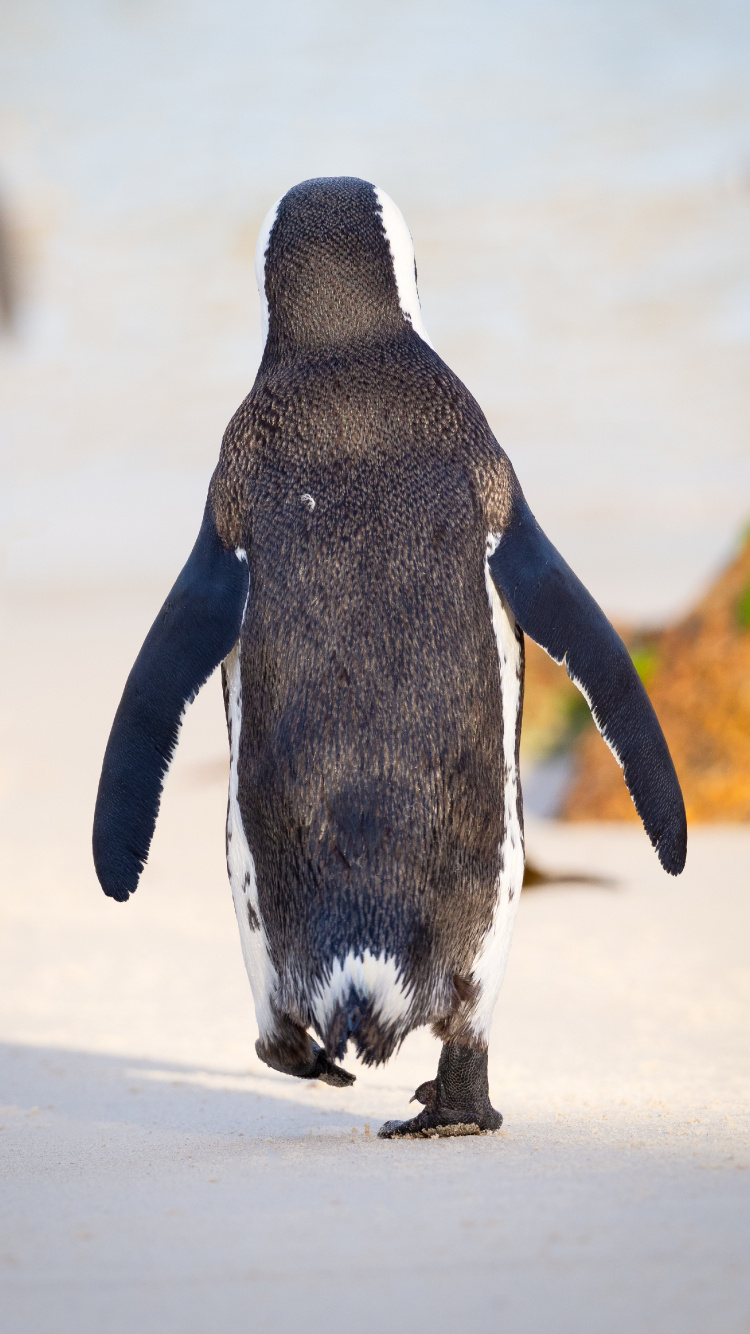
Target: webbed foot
x,y
328,1072
456,1102
302,1058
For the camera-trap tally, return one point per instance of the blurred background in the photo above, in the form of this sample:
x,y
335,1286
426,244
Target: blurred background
x,y
576,176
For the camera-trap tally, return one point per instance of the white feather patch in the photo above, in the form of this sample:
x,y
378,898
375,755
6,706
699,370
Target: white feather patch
x,y
241,865
375,978
401,247
580,686
260,265
489,966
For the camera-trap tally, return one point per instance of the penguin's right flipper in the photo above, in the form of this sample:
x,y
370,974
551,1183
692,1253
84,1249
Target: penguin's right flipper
x,y
194,631
552,606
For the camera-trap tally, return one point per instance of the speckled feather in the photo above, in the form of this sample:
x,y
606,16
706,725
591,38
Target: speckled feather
x,y
371,770
367,540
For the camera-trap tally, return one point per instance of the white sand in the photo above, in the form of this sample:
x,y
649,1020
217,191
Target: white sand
x,y
156,1178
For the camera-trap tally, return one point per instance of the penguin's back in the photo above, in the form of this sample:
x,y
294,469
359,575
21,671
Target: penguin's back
x,y
370,774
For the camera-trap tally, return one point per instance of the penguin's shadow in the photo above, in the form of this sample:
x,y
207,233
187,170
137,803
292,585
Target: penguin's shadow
x,y
536,877
77,1094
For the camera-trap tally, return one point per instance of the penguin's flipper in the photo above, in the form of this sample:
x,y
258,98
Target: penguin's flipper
x,y
552,606
195,629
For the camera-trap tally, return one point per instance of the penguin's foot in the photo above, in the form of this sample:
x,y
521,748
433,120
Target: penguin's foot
x,y
294,1053
330,1073
456,1102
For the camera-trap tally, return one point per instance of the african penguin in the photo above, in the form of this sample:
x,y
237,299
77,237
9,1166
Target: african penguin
x,y
365,571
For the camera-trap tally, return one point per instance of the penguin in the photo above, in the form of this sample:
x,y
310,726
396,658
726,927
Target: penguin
x,y
365,572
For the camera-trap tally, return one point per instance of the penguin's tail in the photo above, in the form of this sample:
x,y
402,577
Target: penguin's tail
x,y
356,1020
365,999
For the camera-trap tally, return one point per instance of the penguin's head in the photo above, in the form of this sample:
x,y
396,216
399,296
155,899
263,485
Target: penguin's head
x,y
335,265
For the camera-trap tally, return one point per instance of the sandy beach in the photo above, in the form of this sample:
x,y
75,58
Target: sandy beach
x,y
156,1176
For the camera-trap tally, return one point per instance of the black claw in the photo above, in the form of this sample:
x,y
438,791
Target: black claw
x,y
426,1093
317,1067
325,1070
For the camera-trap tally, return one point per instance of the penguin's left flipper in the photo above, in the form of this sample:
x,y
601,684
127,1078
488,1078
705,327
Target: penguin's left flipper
x,y
194,631
552,606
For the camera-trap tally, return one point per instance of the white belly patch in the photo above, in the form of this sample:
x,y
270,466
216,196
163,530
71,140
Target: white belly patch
x,y
241,865
492,957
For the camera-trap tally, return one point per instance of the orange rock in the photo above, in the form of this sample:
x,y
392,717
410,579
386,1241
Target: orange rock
x,y
699,684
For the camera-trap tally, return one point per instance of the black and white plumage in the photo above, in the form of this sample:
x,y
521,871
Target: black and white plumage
x,y
365,571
